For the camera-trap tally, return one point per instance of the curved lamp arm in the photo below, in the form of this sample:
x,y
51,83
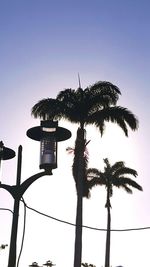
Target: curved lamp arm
x,y
17,191
24,186
10,188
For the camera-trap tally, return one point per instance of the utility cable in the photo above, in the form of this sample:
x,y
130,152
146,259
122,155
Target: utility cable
x,y
85,226
7,210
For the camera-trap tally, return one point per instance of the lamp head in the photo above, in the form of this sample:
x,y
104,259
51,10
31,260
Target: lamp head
x,y
49,134
5,152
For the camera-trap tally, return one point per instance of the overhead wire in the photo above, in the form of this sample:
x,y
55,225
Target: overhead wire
x,y
84,226
7,210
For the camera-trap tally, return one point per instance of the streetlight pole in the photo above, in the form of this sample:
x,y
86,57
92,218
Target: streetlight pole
x,y
17,192
49,134
13,240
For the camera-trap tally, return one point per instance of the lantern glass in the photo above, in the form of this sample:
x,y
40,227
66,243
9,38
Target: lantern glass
x,y
48,153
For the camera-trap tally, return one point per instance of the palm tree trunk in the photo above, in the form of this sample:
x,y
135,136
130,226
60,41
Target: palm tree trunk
x,y
78,233
107,252
78,174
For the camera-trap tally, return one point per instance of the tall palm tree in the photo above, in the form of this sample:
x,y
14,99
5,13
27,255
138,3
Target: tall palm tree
x,y
113,175
93,105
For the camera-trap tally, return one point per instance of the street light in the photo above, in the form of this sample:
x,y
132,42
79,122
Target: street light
x,y
48,155
48,134
5,153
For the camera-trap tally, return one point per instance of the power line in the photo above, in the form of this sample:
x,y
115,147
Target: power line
x,y
6,210
84,226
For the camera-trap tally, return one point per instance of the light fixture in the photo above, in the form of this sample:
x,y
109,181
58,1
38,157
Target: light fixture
x,y
49,134
5,152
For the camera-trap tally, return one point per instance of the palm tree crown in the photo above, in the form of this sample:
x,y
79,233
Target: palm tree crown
x,y
94,105
113,175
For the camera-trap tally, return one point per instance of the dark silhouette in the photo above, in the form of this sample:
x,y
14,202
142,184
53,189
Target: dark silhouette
x,y
34,264
49,263
88,265
3,246
94,105
113,175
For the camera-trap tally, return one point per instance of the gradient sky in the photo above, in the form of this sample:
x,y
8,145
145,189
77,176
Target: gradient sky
x,y
43,46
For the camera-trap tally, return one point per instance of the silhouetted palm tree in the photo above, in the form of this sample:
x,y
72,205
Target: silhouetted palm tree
x,y
88,265
49,263
94,105
34,264
113,175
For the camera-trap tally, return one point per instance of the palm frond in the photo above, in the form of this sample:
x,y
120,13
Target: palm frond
x,y
117,166
117,114
127,189
68,96
96,181
126,115
126,181
93,172
106,161
106,89
125,170
47,108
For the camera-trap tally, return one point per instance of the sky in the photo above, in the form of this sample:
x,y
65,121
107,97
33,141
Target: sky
x,y
44,44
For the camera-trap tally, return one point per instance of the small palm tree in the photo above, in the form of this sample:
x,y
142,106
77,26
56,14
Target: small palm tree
x,y
113,175
49,263
34,264
88,265
93,105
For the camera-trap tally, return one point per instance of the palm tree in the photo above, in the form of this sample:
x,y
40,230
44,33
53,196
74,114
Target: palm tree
x,y
88,265
93,105
34,264
49,263
113,175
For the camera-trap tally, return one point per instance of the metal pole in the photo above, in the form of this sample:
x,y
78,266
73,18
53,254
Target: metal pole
x,y
13,240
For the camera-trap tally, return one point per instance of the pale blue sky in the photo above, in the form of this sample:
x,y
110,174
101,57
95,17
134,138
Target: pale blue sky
x,y
43,46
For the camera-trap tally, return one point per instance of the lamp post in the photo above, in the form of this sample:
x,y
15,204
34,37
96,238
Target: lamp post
x,y
48,134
